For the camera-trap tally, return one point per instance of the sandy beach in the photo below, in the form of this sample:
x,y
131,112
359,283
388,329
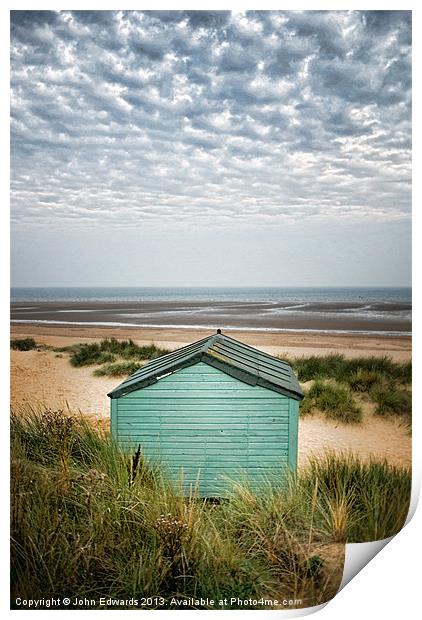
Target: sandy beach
x,y
46,378
292,343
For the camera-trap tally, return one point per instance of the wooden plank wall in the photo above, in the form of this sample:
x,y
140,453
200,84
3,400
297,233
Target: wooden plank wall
x,y
208,425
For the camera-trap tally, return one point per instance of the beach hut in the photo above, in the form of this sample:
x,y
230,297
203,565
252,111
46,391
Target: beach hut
x,y
212,410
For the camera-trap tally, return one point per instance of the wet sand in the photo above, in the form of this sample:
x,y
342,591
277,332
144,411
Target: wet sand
x,y
260,316
46,378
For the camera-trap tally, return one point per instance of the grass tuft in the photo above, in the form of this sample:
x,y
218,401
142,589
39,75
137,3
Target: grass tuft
x,y
89,354
127,349
379,379
390,400
357,501
363,380
23,344
338,367
108,351
119,369
335,401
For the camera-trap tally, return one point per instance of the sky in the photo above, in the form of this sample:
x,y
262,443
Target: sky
x,y
198,148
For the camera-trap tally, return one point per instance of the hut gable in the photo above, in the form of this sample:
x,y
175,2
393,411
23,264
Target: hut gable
x,y
228,355
213,410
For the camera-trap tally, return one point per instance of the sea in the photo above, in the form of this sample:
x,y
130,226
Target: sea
x,y
309,309
247,294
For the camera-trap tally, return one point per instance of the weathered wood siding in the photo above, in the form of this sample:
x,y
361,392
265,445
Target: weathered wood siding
x,y
207,424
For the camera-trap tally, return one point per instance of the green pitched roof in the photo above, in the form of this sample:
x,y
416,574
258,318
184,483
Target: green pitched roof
x,y
228,355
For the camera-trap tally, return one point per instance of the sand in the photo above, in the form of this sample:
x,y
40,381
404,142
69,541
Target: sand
x,y
46,378
374,437
299,343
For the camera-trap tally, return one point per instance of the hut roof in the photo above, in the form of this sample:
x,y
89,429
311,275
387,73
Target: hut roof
x,y
228,355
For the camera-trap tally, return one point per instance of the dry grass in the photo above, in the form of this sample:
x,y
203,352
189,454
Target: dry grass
x,y
89,520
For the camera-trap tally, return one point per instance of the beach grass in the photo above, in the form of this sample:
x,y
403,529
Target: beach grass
x,y
350,370
23,344
338,379
391,400
119,369
127,349
363,380
334,400
89,354
359,501
89,520
105,353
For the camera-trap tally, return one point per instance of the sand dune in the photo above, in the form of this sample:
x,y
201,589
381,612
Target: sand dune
x,y
44,377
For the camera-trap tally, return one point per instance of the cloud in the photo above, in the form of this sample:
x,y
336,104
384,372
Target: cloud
x,y
202,118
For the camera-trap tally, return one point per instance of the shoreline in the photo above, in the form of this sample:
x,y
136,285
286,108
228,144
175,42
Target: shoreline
x,y
363,318
229,328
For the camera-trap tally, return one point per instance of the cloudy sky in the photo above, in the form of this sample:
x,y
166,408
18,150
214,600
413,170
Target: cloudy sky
x,y
211,148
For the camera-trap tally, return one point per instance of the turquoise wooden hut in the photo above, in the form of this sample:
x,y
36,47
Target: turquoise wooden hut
x,y
212,410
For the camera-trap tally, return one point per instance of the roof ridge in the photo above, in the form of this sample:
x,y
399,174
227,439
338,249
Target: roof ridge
x,y
162,358
209,342
273,357
241,361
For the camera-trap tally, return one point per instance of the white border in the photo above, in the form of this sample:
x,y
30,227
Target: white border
x,y
388,586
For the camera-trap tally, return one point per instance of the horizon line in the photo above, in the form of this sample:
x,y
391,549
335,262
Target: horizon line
x,y
63,286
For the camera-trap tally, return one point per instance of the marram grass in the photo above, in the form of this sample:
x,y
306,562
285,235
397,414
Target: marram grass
x,y
23,344
109,349
334,400
338,367
90,521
